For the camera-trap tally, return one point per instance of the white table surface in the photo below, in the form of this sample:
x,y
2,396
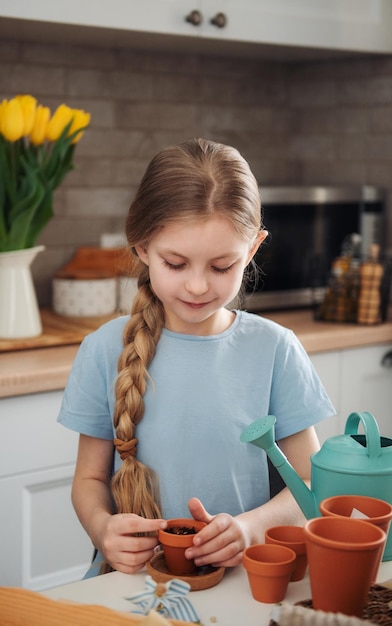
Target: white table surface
x,y
229,603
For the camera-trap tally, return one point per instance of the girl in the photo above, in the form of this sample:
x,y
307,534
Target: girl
x,y
161,398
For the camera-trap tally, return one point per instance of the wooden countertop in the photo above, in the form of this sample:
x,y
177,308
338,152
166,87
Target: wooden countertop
x,y
45,363
328,336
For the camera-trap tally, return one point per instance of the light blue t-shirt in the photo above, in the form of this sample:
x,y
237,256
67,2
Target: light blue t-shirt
x,y
204,392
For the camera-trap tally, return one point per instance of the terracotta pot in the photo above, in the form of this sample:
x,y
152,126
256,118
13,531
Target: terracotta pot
x,y
174,545
292,537
342,555
269,568
377,511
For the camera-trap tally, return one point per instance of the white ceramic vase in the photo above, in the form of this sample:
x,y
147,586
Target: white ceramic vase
x,y
19,313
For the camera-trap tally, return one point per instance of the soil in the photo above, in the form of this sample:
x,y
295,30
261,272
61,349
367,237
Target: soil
x,y
182,530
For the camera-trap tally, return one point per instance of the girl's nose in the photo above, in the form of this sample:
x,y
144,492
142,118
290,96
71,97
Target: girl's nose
x,y
196,284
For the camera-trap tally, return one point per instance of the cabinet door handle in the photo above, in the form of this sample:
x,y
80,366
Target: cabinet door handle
x,y
386,360
219,20
194,17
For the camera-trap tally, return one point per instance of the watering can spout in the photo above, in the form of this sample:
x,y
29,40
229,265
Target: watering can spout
x,y
262,434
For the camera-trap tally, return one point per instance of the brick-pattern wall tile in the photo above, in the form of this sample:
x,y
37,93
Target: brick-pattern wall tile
x,y
314,122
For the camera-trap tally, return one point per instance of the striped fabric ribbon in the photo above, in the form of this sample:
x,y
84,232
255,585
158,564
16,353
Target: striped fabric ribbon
x,y
168,599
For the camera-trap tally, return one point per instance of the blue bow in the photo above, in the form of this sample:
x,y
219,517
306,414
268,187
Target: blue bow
x,y
168,599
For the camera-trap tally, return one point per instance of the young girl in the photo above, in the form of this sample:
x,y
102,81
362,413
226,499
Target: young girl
x,y
161,397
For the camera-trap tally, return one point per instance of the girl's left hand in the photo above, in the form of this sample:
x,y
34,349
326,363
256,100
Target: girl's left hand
x,y
221,542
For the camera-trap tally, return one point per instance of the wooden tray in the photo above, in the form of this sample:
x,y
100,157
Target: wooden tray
x,y
57,331
205,578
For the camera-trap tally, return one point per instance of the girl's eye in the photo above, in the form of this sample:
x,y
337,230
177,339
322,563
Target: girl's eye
x,y
173,266
222,270
180,266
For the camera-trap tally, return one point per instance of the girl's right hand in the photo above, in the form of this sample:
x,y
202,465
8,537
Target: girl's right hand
x,y
120,547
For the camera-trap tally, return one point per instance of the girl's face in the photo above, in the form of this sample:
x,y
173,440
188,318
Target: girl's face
x,y
196,269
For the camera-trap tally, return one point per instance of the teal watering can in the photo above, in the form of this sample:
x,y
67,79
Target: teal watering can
x,y
348,464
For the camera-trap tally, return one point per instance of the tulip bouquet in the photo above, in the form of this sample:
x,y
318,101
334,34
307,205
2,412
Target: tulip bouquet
x,y
36,152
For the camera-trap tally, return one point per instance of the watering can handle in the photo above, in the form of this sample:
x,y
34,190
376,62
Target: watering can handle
x,y
372,433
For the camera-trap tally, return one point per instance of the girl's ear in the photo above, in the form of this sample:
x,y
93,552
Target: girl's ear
x,y
259,240
141,251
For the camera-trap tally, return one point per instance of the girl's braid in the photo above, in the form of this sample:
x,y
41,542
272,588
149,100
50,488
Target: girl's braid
x,y
134,487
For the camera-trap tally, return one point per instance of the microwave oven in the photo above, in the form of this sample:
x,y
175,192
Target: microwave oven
x,y
307,226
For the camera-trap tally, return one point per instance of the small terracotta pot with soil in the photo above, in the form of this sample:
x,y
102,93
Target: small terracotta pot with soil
x,y
175,539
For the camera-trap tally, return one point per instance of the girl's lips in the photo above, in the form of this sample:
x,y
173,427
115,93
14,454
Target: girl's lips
x,y
195,305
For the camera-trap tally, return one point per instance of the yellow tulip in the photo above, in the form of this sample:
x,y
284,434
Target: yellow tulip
x,y
60,118
2,106
29,106
12,120
36,154
80,119
38,132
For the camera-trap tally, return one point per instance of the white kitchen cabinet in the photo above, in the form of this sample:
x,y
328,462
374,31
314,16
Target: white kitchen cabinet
x,y
345,25
42,541
166,16
367,384
358,25
150,16
357,380
327,365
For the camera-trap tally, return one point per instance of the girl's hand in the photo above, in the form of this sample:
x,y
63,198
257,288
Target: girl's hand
x,y
221,543
120,547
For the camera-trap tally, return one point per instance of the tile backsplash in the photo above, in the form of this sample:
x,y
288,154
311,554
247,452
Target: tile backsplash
x,y
319,122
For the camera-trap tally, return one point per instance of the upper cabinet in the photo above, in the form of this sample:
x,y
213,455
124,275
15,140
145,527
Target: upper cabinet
x,y
355,26
347,25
